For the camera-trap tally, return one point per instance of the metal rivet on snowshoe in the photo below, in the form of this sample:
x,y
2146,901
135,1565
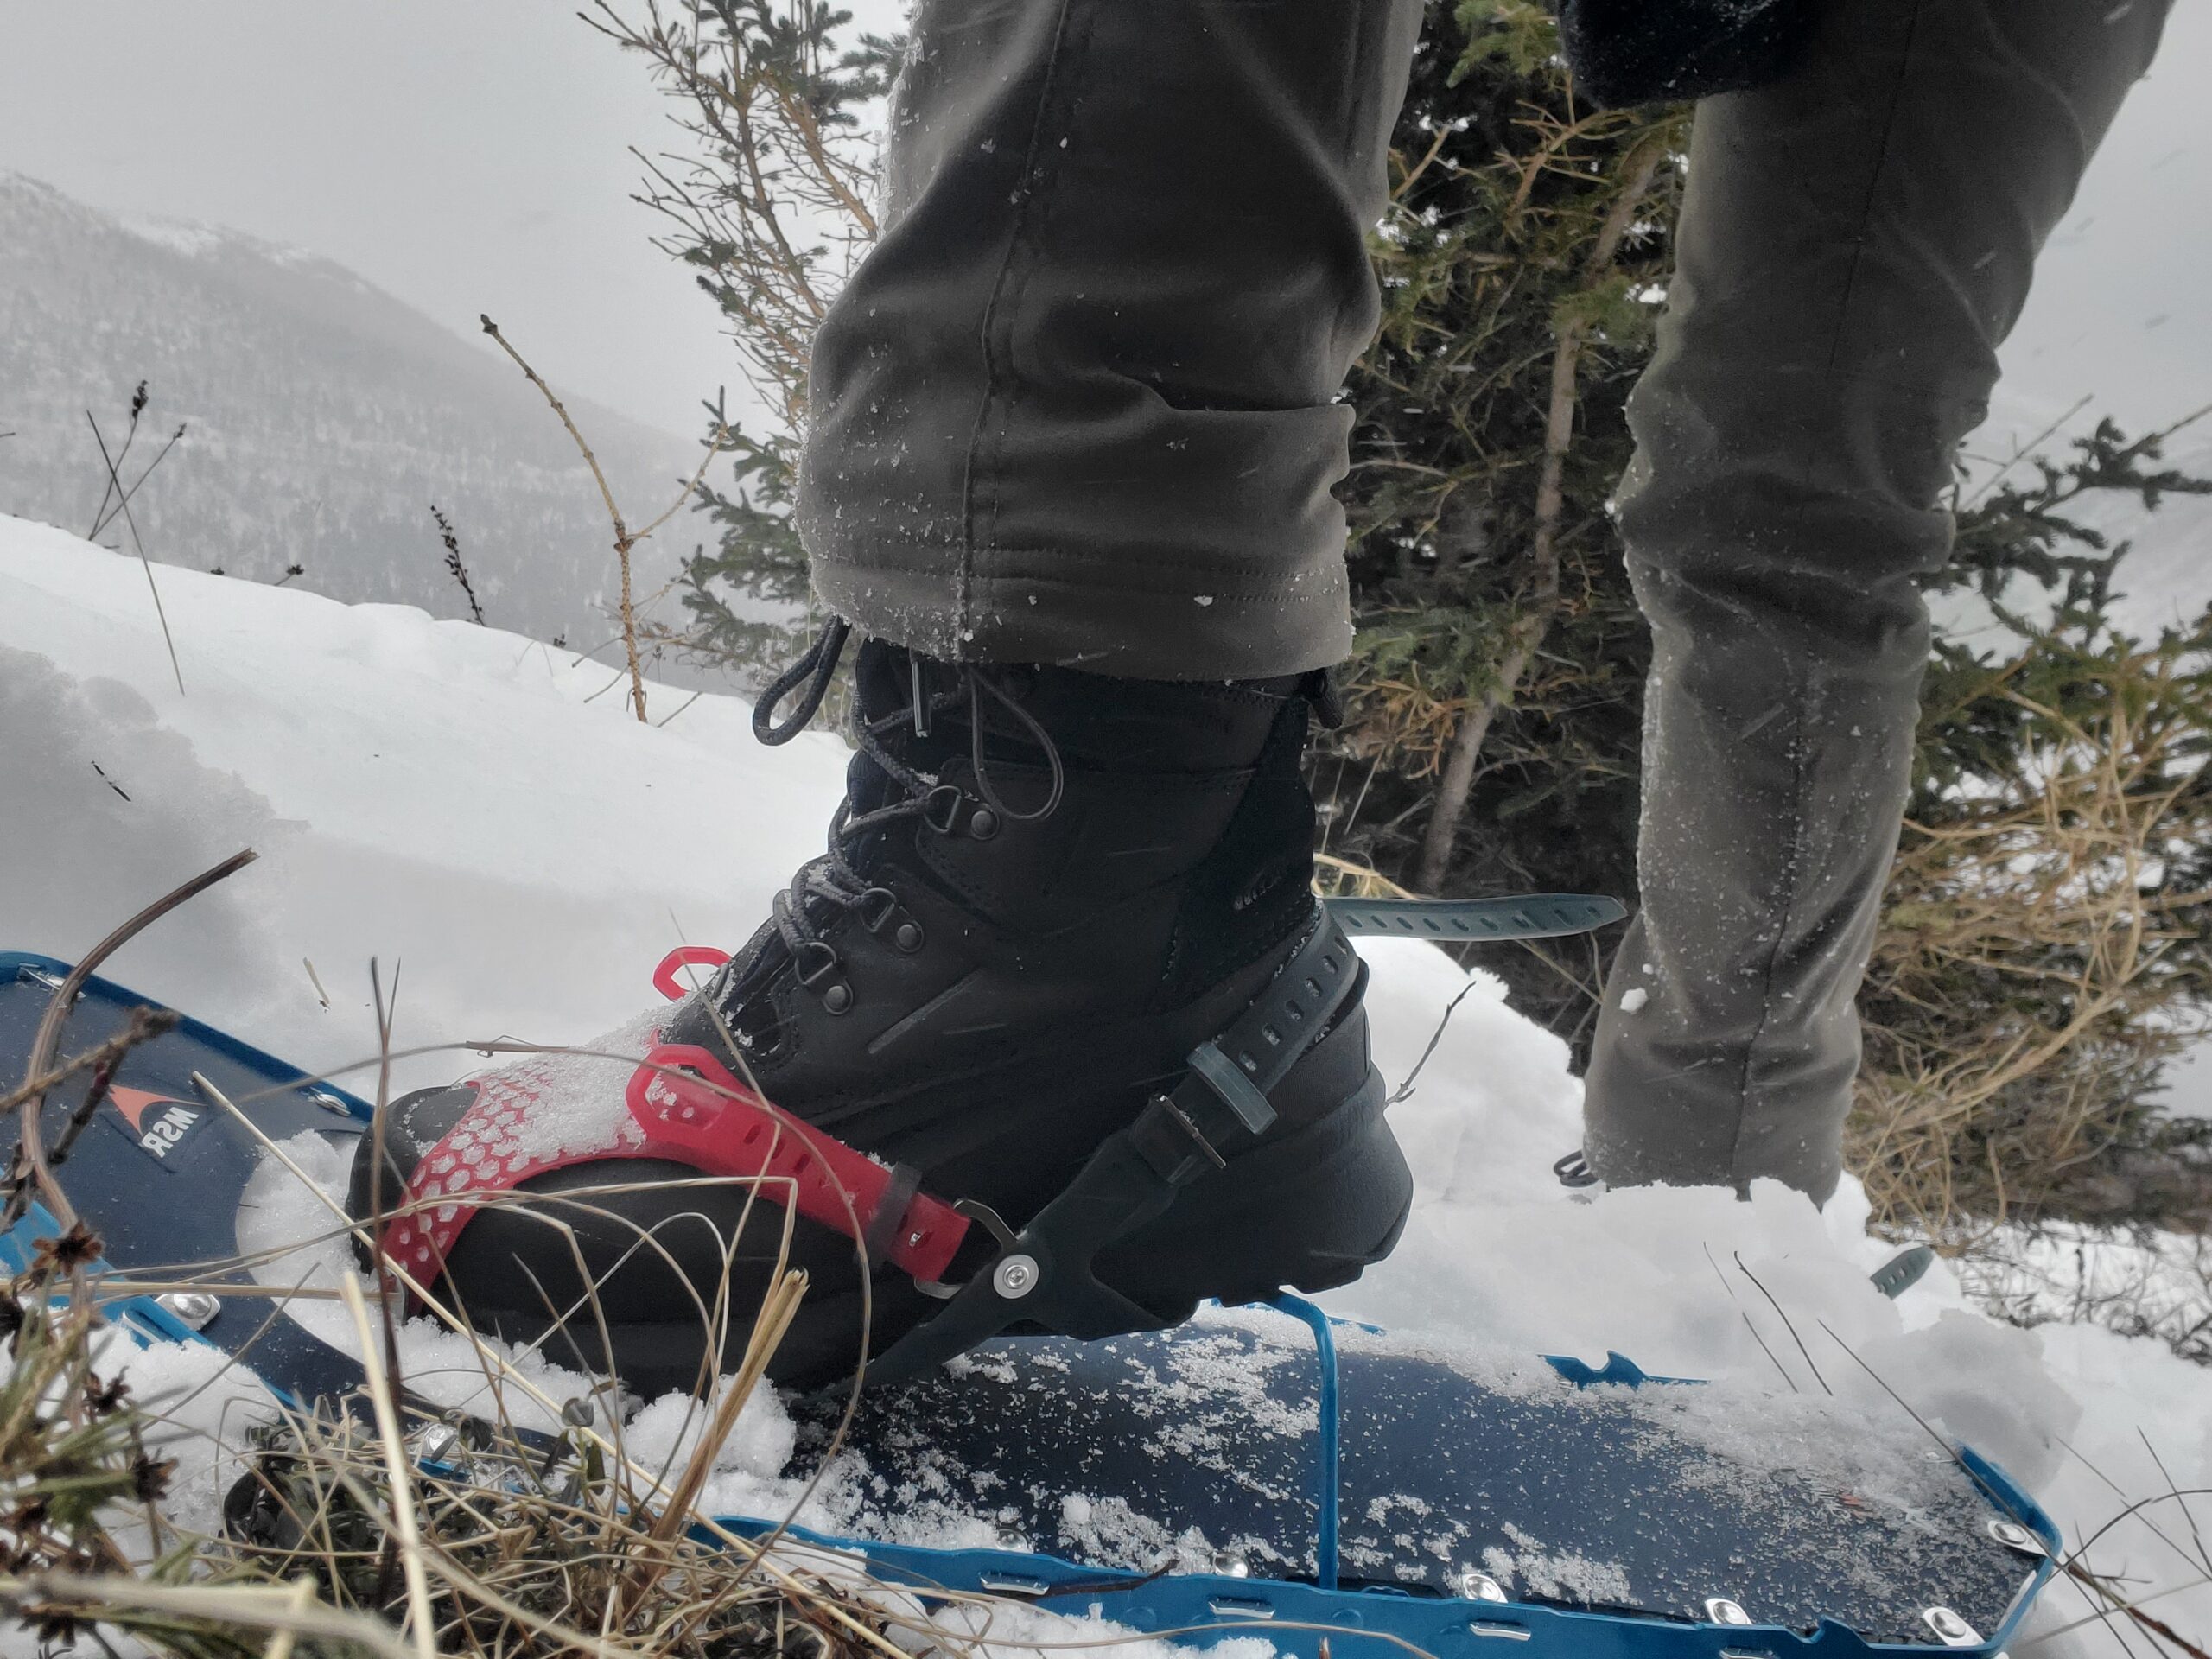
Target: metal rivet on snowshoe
x,y
1016,1277
1719,1610
984,824
1951,1630
838,999
1479,1586
194,1308
1230,1565
328,1102
908,937
2013,1535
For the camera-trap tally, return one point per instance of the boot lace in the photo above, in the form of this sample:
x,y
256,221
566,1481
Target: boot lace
x,y
830,881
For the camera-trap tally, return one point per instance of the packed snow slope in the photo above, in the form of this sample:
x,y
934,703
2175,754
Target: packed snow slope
x,y
481,815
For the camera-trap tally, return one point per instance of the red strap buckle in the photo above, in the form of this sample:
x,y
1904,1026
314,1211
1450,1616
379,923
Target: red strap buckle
x,y
684,956
693,1111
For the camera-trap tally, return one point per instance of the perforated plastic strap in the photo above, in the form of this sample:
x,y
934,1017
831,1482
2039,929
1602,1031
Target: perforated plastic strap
x,y
1238,1092
684,1107
881,1237
1524,916
1221,1105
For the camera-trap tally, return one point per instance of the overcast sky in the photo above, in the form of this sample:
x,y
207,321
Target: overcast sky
x,y
471,155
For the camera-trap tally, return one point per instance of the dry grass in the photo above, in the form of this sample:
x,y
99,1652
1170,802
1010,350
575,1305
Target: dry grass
x,y
379,1525
2023,988
389,1526
390,1530
1405,717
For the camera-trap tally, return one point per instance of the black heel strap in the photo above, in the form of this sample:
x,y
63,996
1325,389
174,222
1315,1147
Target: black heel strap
x,y
1046,1276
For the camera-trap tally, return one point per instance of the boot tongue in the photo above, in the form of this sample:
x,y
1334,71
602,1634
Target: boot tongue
x,y
885,683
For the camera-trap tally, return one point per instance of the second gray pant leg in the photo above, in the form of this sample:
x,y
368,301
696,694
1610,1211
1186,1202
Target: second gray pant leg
x,y
1855,242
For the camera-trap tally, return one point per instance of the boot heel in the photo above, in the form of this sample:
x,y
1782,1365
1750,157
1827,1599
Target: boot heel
x,y
1310,1210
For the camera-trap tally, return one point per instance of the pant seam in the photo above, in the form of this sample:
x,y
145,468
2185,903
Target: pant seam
x,y
1792,881
1874,183
1354,74
997,365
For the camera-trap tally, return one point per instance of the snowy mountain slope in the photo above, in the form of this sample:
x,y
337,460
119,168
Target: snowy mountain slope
x,y
468,805
324,417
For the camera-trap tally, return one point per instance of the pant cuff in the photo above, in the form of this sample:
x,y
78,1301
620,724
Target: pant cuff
x,y
1099,626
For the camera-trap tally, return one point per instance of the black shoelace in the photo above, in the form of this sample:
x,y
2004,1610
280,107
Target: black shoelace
x,y
832,879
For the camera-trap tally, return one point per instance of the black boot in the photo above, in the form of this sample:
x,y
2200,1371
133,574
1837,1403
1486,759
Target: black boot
x,y
1044,891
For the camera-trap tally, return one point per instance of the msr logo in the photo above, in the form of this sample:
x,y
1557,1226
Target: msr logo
x,y
159,1122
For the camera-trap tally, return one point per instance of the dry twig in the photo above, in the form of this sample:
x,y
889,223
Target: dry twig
x,y
624,538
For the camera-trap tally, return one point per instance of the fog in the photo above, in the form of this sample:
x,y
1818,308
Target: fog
x,y
475,158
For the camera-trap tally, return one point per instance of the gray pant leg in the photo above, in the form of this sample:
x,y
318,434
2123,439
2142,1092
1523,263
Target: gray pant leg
x,y
1077,405
1855,242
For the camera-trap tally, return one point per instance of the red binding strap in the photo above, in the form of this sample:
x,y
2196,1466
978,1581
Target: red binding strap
x,y
684,1107
715,1124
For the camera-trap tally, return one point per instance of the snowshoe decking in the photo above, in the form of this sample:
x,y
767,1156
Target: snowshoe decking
x,y
1254,1471
1300,1473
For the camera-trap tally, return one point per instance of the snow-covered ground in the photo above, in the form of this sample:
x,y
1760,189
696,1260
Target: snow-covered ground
x,y
481,815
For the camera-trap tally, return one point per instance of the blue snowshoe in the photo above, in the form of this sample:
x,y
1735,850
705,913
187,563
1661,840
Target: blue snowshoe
x,y
1264,1470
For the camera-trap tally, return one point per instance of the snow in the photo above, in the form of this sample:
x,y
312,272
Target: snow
x,y
1561,1572
294,1235
2141,1281
473,810
433,794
